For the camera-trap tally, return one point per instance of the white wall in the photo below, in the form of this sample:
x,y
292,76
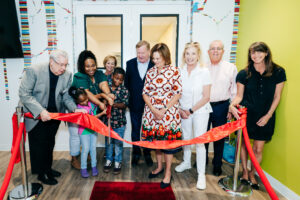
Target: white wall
x,y
205,30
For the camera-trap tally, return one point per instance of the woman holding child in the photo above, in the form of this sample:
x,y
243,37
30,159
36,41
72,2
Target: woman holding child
x,y
95,85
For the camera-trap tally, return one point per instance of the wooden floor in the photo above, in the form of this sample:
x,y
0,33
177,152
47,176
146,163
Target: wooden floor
x,y
72,187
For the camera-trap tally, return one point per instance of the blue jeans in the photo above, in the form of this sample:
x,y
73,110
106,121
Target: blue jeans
x,y
74,139
116,145
88,143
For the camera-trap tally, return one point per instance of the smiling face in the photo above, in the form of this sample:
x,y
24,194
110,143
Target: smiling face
x,y
90,67
117,79
158,60
142,54
258,57
191,56
215,52
110,66
58,66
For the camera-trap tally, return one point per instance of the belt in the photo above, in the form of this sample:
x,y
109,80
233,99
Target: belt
x,y
218,102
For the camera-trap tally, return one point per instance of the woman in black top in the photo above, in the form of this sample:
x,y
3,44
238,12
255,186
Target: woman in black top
x,y
259,88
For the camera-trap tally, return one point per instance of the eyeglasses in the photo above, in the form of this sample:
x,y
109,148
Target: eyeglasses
x,y
216,49
61,64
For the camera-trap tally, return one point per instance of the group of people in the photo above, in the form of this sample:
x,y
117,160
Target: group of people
x,y
165,103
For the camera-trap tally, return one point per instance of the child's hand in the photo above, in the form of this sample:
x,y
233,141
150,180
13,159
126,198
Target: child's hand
x,y
102,106
80,110
110,101
111,95
102,113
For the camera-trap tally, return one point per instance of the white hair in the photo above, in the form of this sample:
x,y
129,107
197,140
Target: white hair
x,y
219,41
57,53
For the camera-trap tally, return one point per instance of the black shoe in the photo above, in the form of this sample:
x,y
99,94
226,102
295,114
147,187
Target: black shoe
x,y
117,168
55,173
217,171
44,178
135,160
244,181
254,186
151,175
107,166
148,160
165,185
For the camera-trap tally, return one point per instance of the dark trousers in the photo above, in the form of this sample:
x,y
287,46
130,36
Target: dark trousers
x,y
217,118
41,144
136,122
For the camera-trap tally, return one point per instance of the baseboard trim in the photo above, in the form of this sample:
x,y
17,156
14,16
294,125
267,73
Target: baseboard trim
x,y
282,189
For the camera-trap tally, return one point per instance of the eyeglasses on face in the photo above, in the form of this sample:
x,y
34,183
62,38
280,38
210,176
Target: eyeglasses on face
x,y
61,64
216,49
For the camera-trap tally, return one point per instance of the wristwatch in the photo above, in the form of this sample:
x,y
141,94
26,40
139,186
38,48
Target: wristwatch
x,y
191,111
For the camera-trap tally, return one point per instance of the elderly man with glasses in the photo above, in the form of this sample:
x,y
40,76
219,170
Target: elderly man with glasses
x,y
223,90
43,90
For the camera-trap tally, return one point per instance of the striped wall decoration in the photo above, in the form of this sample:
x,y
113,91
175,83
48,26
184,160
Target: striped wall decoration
x,y
235,31
195,8
51,24
25,33
5,79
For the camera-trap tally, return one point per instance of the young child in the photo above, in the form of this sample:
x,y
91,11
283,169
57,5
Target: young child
x,y
118,121
88,137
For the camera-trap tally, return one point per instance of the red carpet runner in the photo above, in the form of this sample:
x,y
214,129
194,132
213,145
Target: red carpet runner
x,y
130,191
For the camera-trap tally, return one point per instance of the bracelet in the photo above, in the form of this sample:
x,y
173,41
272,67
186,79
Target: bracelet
x,y
191,111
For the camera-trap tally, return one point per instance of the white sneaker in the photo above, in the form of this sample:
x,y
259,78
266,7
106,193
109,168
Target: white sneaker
x,y
201,183
183,166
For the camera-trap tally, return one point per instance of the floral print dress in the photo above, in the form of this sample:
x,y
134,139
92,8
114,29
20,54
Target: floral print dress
x,y
161,88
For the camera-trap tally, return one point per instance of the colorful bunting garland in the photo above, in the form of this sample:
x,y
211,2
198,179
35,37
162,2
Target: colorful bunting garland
x,y
235,31
5,79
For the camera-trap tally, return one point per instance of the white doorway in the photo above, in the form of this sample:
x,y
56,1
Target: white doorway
x,y
122,24
132,17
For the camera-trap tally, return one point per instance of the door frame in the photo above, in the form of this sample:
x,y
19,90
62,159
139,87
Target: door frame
x,y
131,12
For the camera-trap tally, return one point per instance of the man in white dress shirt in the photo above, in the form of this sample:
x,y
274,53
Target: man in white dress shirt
x,y
223,90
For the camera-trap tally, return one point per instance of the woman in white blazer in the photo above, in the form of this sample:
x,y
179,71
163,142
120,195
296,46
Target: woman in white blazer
x,y
194,107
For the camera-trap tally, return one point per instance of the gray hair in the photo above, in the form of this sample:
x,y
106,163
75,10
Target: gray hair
x,y
219,41
57,53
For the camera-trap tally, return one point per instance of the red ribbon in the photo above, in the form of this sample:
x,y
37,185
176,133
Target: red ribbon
x,y
98,126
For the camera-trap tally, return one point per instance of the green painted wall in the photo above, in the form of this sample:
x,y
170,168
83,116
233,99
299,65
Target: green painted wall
x,y
277,23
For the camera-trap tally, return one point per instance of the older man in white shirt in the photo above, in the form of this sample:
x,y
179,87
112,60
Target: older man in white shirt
x,y
223,90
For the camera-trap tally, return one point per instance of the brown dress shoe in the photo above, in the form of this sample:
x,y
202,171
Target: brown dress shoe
x,y
75,162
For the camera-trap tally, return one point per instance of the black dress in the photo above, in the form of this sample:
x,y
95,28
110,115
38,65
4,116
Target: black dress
x,y
258,97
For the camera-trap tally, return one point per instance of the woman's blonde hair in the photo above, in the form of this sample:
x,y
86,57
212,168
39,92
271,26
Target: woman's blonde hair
x,y
196,45
109,57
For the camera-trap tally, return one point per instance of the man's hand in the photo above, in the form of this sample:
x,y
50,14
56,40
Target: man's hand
x,y
80,110
45,116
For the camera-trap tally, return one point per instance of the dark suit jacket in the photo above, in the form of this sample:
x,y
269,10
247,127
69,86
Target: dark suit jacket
x,y
135,85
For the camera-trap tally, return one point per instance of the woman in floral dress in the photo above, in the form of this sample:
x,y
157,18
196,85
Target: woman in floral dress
x,y
161,119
